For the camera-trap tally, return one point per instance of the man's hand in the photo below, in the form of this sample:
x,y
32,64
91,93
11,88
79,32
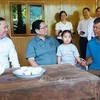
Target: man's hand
x,y
83,62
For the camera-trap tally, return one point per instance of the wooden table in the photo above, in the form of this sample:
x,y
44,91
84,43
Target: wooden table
x,y
60,82
95,72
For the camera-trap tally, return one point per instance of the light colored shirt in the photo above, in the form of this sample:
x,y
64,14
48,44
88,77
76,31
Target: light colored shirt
x,y
90,30
60,26
83,26
8,53
68,53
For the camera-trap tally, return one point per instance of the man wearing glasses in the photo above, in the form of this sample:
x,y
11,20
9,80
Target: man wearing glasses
x,y
41,49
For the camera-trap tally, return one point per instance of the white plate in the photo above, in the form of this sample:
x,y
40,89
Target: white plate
x,y
21,73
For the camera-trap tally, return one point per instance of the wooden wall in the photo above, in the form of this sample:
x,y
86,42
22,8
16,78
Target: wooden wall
x,y
51,10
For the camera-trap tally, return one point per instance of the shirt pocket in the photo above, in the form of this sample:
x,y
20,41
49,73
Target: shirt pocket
x,y
40,50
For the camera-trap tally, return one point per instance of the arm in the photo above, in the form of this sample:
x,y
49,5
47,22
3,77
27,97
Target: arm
x,y
90,30
58,32
59,54
71,28
13,58
31,53
78,28
32,62
72,31
78,59
59,60
89,60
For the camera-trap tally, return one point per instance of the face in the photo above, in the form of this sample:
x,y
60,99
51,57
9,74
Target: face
x,y
63,17
86,13
43,31
67,38
98,13
96,29
3,29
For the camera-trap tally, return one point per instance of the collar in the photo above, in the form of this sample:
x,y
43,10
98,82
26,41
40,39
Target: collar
x,y
96,39
38,39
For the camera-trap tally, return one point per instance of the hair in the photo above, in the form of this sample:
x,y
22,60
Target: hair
x,y
1,19
61,13
36,25
86,8
97,9
66,31
97,20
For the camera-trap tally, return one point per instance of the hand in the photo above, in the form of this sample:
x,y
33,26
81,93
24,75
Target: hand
x,y
59,33
76,61
83,62
82,32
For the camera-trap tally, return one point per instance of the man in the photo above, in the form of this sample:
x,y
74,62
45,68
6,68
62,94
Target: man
x,y
82,31
90,26
7,49
41,50
93,47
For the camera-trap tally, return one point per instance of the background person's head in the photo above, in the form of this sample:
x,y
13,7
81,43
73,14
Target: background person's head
x,y
39,27
3,27
96,27
66,36
86,12
98,12
63,15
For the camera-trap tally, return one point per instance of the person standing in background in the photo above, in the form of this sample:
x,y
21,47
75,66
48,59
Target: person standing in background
x,y
62,25
90,26
7,48
83,31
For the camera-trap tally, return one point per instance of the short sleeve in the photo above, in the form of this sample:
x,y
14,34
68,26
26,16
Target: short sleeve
x,y
30,50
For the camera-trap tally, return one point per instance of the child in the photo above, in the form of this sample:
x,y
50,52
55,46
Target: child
x,y
67,52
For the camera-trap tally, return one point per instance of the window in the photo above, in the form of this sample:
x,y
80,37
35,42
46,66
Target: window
x,y
22,17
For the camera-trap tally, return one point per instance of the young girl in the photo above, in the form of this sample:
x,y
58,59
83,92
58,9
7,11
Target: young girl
x,y
67,52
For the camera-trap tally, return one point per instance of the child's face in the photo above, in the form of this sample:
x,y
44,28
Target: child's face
x,y
67,38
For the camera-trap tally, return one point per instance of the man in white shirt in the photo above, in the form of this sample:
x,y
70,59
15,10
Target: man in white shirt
x,y
90,26
7,49
82,31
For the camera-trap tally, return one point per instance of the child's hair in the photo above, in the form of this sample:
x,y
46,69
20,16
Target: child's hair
x,y
66,31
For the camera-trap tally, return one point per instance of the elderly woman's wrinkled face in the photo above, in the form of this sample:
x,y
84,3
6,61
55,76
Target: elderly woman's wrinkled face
x,y
3,29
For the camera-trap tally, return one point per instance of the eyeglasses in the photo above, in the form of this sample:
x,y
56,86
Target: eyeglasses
x,y
44,27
